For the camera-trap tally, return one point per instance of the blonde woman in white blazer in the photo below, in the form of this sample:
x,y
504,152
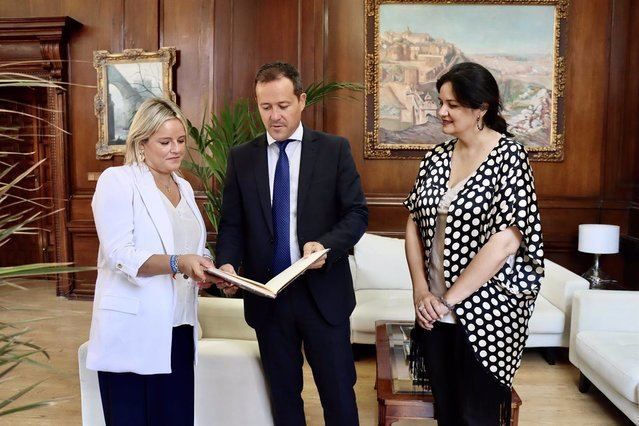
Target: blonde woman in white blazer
x,y
150,265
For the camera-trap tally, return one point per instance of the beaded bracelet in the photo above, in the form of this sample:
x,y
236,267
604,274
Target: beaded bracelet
x,y
445,303
173,264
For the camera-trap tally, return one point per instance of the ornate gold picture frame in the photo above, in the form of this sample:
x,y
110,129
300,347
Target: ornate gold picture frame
x,y
125,80
409,44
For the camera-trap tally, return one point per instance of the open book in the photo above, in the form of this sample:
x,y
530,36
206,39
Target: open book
x,y
277,283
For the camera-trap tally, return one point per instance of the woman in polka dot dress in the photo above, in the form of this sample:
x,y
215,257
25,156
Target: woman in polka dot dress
x,y
475,252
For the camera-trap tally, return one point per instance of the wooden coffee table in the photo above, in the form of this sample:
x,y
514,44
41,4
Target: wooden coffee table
x,y
393,406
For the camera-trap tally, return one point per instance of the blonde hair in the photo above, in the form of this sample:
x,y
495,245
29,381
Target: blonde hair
x,y
151,115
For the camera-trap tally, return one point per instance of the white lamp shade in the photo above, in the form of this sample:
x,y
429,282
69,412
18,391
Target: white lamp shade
x,y
598,239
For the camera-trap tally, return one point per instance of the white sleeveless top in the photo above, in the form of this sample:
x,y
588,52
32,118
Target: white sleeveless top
x,y
186,235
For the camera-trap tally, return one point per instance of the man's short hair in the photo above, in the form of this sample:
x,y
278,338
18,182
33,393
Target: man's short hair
x,y
276,70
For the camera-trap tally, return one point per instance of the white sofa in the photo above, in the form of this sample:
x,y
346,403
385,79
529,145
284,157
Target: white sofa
x,y
383,292
230,385
605,345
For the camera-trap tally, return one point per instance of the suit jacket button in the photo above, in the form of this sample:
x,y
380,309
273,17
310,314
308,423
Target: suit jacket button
x,y
119,266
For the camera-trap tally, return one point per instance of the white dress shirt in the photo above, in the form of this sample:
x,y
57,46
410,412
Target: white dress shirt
x,y
186,236
294,154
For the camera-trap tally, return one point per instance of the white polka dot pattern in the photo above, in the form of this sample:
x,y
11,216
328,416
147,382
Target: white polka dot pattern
x,y
500,194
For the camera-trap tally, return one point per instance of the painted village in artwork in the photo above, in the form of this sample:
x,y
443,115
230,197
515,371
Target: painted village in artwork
x,y
410,63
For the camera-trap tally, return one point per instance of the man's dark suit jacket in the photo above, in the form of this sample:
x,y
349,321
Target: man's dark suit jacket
x,y
331,209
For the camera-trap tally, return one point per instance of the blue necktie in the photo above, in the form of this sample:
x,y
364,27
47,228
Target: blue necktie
x,y
281,211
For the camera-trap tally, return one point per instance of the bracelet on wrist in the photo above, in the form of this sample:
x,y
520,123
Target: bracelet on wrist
x,y
445,303
173,264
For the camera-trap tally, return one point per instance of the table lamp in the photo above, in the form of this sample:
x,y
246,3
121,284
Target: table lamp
x,y
598,239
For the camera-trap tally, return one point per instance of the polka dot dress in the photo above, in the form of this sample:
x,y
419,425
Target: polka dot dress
x,y
498,195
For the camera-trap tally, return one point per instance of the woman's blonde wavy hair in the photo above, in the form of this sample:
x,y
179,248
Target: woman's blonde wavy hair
x,y
151,115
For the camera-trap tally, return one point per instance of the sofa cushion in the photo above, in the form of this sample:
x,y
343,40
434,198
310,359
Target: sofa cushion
x,y
219,317
613,355
374,305
546,318
381,263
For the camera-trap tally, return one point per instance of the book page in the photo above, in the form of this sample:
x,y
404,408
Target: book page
x,y
243,283
276,284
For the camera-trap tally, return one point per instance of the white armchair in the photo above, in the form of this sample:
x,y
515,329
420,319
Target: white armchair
x,y
549,326
230,388
604,345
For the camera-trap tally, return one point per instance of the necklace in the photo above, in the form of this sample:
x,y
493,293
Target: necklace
x,y
166,186
156,177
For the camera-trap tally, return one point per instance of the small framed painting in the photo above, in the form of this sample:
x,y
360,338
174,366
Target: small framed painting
x,y
125,80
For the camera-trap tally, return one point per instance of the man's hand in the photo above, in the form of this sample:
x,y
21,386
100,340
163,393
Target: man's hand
x,y
312,247
225,287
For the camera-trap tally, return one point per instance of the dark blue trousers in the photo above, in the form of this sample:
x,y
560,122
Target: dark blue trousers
x,y
130,399
297,323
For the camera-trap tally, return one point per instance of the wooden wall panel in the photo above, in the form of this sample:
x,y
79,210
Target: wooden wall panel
x,y
85,248
188,25
194,39
222,42
629,103
97,33
141,24
579,175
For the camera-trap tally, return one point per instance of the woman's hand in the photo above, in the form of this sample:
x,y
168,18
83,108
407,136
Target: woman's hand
x,y
428,309
210,279
193,266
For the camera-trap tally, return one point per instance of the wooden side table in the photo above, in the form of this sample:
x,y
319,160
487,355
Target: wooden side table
x,y
391,406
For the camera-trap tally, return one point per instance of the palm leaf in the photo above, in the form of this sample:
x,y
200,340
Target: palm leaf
x,y
40,269
4,187
317,92
45,403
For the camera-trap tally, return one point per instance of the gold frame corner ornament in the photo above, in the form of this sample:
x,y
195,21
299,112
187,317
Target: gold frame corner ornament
x,y
374,149
166,56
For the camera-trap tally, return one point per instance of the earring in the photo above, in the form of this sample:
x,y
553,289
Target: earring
x,y
141,155
480,124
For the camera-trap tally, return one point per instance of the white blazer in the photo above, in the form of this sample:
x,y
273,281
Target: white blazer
x,y
132,323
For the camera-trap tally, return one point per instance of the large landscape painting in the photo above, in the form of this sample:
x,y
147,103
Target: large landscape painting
x,y
417,43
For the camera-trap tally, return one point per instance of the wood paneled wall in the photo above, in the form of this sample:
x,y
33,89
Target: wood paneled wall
x,y
221,43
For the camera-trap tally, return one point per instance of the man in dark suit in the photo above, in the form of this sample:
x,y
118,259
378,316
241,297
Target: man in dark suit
x,y
289,193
